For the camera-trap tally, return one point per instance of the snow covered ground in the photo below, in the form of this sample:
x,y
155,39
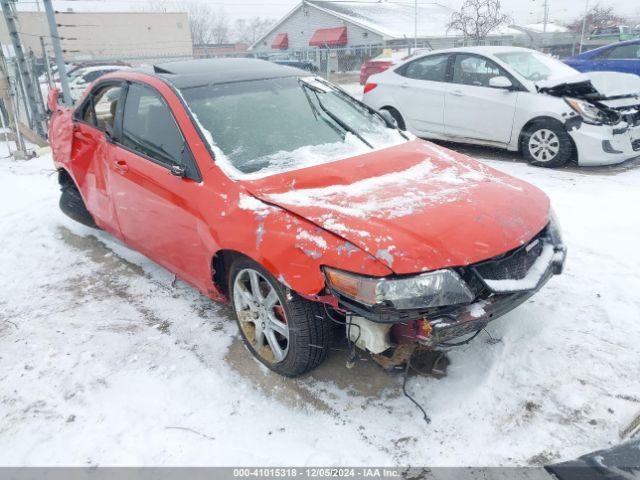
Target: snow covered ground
x,y
104,362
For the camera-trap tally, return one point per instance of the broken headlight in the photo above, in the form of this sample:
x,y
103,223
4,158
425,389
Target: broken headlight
x,y
590,113
432,289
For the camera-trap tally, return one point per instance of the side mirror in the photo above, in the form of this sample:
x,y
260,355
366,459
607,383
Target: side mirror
x,y
177,171
500,82
52,99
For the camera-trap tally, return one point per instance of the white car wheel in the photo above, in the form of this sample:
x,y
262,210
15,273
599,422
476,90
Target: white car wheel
x,y
544,145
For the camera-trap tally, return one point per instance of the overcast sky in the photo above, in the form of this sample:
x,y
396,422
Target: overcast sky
x,y
522,11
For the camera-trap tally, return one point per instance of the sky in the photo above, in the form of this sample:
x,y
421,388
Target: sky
x,y
522,11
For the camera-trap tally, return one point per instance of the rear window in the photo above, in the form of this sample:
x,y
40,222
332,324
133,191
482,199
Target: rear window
x,y
432,68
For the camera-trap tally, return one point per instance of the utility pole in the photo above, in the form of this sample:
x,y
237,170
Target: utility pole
x,y
545,16
415,25
584,22
10,17
57,49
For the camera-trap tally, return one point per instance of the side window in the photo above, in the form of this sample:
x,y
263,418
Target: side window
x,y
475,70
625,52
432,68
149,127
100,110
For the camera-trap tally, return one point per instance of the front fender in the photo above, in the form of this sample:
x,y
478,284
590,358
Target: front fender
x,y
291,248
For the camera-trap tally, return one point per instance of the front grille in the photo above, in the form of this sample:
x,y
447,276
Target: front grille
x,y
512,266
635,144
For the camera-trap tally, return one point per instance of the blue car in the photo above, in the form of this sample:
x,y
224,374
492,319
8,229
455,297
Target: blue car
x,y
617,57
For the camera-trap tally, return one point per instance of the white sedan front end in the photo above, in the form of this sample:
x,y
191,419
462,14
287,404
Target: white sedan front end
x,y
517,99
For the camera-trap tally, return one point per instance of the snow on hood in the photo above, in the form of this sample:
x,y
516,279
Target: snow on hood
x,y
608,84
415,207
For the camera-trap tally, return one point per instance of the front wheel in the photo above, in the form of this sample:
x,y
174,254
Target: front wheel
x,y
288,334
546,143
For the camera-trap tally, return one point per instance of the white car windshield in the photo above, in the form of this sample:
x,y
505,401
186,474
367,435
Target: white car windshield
x,y
261,127
535,66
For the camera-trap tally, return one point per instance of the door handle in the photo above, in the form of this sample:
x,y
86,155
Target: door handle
x,y
404,85
457,93
121,166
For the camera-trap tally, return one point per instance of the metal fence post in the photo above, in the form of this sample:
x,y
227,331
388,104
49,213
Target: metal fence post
x,y
57,49
47,64
37,115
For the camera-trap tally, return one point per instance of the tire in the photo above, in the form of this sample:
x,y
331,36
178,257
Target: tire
x,y
270,313
546,143
73,206
397,117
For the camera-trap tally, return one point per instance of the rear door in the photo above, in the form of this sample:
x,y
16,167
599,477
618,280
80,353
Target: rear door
x,y
91,151
475,110
157,210
420,91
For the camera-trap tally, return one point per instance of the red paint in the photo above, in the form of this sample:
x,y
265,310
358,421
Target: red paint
x,y
280,42
329,37
372,67
182,224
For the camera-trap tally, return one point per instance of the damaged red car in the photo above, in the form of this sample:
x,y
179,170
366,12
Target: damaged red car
x,y
303,207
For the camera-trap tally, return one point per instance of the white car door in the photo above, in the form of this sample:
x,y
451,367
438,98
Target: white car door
x,y
420,93
475,110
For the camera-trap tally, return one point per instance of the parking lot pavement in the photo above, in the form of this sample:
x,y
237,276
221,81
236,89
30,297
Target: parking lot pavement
x,y
104,362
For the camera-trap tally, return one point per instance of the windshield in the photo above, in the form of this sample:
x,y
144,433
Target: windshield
x,y
536,66
263,127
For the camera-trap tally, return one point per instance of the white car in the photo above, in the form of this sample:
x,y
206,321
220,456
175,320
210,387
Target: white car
x,y
81,78
513,98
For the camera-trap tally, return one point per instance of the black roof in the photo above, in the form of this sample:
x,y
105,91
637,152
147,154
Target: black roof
x,y
196,73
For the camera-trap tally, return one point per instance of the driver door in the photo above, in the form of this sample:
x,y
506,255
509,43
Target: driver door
x,y
155,186
473,109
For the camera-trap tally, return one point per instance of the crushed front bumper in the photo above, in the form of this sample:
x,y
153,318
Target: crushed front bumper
x,y
605,144
454,322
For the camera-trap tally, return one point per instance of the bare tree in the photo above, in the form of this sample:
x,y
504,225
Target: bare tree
x,y
598,17
477,18
207,25
249,31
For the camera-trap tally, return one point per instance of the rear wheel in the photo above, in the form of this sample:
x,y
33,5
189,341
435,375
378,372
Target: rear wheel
x,y
73,206
397,117
546,143
284,331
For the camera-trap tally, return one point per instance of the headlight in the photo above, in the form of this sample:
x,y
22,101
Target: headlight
x,y
554,228
590,113
432,289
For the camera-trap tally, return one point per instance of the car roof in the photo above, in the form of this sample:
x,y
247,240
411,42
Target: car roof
x,y
210,71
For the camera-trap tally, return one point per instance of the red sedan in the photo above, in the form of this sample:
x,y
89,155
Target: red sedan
x,y
304,208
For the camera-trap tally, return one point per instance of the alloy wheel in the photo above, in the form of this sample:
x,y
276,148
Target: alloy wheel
x,y
261,315
544,145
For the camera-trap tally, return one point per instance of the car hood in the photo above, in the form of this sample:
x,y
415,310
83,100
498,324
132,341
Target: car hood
x,y
415,206
590,84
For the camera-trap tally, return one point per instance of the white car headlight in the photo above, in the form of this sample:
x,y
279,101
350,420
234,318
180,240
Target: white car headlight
x,y
431,289
589,112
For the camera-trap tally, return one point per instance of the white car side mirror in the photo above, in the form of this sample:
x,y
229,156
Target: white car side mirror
x,y
500,82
